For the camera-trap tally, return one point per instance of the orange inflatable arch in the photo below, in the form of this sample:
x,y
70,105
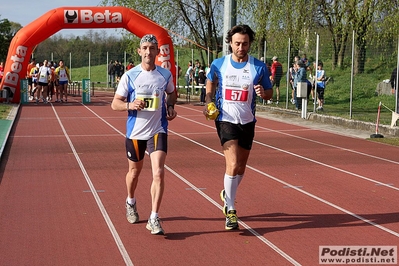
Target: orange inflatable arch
x,y
28,37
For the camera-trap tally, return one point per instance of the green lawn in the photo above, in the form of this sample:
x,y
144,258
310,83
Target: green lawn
x,y
337,94
364,104
4,110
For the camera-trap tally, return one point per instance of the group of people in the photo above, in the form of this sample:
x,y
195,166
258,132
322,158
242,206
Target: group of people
x,y
116,70
46,79
147,94
298,73
196,75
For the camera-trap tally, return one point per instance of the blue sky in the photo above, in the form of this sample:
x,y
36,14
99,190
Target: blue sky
x,y
26,11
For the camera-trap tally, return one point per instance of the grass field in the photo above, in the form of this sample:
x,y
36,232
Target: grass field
x,y
364,103
338,92
4,110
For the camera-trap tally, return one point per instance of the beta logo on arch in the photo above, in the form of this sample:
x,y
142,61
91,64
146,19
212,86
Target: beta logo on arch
x,y
88,16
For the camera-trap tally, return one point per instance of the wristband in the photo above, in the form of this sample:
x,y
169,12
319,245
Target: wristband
x,y
127,106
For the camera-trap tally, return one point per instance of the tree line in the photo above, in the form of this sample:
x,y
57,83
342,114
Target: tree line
x,y
8,30
373,22
198,24
98,44
58,46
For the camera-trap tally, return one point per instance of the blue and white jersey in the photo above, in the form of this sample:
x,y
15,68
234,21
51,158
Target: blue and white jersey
x,y
235,94
320,83
150,86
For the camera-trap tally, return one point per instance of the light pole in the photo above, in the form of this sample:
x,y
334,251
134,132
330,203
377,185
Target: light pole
x,y
230,20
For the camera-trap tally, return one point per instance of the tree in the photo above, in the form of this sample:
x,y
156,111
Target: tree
x,y
8,30
260,12
361,18
293,19
383,32
334,15
197,20
97,44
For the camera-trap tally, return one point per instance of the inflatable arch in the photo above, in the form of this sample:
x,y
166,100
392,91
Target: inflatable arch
x,y
28,37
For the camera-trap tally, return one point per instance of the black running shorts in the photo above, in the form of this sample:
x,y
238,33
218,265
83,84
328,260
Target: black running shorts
x,y
243,133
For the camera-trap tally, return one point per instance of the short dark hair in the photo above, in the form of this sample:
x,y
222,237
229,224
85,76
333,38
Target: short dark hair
x,y
243,29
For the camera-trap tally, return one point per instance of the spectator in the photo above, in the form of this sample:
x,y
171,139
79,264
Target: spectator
x,y
299,76
178,71
119,70
189,75
291,74
276,75
393,80
130,65
320,85
201,82
305,61
111,74
197,67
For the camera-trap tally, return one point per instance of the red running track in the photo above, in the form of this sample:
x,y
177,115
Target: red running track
x,y
62,192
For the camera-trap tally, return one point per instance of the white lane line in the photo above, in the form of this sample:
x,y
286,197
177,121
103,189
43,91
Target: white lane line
x,y
388,185
255,233
93,190
330,145
301,190
307,139
304,192
329,166
199,190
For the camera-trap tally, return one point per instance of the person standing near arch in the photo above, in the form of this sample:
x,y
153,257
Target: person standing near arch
x,y
31,65
62,79
43,78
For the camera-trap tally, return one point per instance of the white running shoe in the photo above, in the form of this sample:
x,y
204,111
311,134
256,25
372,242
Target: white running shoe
x,y
132,215
154,225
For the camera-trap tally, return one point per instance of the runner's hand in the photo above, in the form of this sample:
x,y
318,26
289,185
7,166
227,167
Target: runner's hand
x,y
211,112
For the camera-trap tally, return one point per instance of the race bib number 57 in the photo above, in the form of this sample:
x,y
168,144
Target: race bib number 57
x,y
236,95
151,103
